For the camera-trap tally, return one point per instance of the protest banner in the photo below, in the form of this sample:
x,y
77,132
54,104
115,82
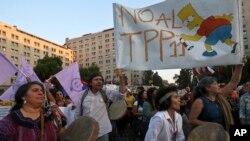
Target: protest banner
x,y
183,34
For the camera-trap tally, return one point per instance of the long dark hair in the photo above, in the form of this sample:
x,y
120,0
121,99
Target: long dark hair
x,y
200,89
21,92
151,98
140,98
161,93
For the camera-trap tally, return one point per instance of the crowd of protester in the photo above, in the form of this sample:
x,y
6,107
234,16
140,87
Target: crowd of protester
x,y
152,113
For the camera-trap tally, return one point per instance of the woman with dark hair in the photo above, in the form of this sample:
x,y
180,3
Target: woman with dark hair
x,y
166,124
138,105
148,110
60,100
210,104
26,121
151,96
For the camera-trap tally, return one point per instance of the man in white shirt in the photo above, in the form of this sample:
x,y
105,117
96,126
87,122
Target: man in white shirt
x,y
166,125
94,104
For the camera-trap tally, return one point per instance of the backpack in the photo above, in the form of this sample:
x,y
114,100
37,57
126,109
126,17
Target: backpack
x,y
103,94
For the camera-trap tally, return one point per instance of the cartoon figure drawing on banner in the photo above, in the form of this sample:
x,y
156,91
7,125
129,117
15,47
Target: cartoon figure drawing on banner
x,y
214,28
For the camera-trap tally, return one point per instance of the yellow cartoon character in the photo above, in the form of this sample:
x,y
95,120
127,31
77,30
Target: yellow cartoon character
x,y
214,28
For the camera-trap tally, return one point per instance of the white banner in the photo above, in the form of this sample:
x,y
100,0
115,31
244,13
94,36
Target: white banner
x,y
183,34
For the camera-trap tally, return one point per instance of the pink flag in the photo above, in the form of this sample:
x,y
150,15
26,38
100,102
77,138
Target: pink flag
x,y
7,69
25,69
70,80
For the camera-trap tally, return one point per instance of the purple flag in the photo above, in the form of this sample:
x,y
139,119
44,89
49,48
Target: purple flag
x,y
71,81
7,69
20,80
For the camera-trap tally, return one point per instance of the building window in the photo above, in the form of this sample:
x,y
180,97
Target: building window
x,y
37,44
100,62
45,47
106,35
100,47
53,49
16,59
26,40
107,40
93,53
45,52
246,46
3,41
3,33
3,48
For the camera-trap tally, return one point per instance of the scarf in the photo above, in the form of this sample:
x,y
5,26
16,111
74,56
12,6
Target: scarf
x,y
226,108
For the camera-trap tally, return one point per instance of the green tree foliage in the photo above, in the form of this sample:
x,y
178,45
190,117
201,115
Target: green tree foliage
x,y
183,79
157,80
85,73
47,67
147,77
226,74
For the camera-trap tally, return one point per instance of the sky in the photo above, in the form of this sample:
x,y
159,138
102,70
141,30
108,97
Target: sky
x,y
55,20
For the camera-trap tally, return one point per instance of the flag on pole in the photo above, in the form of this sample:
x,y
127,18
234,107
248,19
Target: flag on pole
x,y
70,80
7,69
196,71
209,71
25,69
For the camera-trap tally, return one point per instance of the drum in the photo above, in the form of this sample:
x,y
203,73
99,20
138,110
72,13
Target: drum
x,y
82,129
208,132
117,109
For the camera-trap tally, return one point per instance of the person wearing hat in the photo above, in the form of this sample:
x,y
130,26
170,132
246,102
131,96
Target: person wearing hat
x,y
166,124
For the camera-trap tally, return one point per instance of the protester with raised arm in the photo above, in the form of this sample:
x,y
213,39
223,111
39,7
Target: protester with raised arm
x,y
210,104
94,101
